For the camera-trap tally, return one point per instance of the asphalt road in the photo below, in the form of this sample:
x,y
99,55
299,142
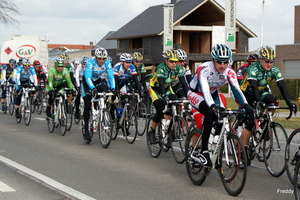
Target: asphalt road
x,y
37,164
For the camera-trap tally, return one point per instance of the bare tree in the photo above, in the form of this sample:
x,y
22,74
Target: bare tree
x,y
7,11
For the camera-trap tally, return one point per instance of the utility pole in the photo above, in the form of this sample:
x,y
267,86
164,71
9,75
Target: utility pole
x,y
262,25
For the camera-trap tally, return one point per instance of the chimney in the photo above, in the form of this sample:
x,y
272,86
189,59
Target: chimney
x,y
91,43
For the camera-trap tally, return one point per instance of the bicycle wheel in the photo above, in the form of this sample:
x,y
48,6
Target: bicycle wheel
x,y
297,182
32,108
105,128
69,114
154,149
233,178
142,116
11,105
178,138
292,155
21,110
275,156
27,111
50,123
62,118
39,103
5,103
130,127
44,101
196,172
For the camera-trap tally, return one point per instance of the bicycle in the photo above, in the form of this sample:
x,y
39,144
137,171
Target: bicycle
x,y
268,140
226,157
25,105
100,120
142,114
9,100
59,116
126,118
175,133
40,102
81,109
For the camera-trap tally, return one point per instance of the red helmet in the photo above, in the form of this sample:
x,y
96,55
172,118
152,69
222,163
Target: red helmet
x,y
36,62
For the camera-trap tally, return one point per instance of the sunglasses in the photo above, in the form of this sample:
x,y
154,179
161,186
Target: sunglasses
x,y
181,61
137,61
268,61
26,65
76,64
59,66
171,61
101,58
221,62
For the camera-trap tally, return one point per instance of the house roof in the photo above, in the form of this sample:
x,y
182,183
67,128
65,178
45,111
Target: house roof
x,y
150,23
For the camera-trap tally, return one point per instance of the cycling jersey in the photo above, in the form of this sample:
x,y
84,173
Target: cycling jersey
x,y
141,69
122,73
78,74
8,73
256,72
93,71
186,72
241,72
208,80
41,74
25,77
56,78
167,74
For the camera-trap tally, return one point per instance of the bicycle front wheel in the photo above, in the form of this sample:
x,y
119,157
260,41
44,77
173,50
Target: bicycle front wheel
x,y
180,129
27,111
297,182
142,117
11,105
292,155
195,170
105,128
62,118
130,127
232,176
154,149
69,115
274,155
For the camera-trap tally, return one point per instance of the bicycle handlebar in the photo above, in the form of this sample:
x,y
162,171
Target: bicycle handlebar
x,y
278,107
103,94
176,101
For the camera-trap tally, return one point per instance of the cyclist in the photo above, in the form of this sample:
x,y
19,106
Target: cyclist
x,y
257,78
41,73
58,79
94,80
182,56
241,71
204,96
140,69
123,71
25,76
8,71
160,89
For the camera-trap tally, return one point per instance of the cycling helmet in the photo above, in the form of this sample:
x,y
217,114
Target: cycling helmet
x,y
267,53
171,54
76,61
181,54
12,61
126,57
65,56
59,62
84,59
101,52
21,60
26,61
252,58
137,56
36,62
221,52
109,59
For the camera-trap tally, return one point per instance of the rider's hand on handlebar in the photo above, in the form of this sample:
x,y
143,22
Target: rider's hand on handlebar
x,y
94,92
165,99
215,111
249,111
51,94
291,105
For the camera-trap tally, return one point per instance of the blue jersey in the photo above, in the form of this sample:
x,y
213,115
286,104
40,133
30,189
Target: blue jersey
x,y
122,73
93,71
8,73
25,76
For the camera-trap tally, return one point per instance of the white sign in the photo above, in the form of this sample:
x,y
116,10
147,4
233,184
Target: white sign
x,y
230,23
168,26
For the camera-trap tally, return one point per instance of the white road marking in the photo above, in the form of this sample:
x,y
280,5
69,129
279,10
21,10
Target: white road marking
x,y
5,188
46,180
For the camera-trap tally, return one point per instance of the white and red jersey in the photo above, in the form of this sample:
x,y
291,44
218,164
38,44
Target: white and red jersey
x,y
208,80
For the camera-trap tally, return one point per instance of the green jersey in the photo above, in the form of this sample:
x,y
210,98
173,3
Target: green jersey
x,y
256,72
55,78
169,75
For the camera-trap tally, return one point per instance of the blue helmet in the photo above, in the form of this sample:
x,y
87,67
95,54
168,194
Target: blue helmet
x,y
221,52
12,61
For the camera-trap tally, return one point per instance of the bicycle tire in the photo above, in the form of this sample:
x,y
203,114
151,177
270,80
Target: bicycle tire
x,y
62,119
196,174
32,108
142,117
21,108
297,182
178,139
69,114
27,112
154,149
105,129
292,155
233,178
130,124
275,156
11,106
115,129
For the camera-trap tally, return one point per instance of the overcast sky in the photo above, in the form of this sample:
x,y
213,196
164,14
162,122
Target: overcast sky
x,y
81,22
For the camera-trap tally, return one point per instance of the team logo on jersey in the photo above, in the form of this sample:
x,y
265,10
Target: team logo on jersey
x,y
221,76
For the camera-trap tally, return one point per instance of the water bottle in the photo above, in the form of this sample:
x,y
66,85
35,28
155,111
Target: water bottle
x,y
215,141
165,124
119,112
210,141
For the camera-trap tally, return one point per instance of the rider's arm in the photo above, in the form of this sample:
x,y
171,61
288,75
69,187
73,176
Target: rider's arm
x,y
68,78
4,74
283,90
33,75
88,73
254,87
161,82
136,82
110,75
17,78
235,88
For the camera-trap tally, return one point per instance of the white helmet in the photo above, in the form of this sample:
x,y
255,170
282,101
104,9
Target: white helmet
x,y
101,52
181,54
76,61
126,57
26,61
